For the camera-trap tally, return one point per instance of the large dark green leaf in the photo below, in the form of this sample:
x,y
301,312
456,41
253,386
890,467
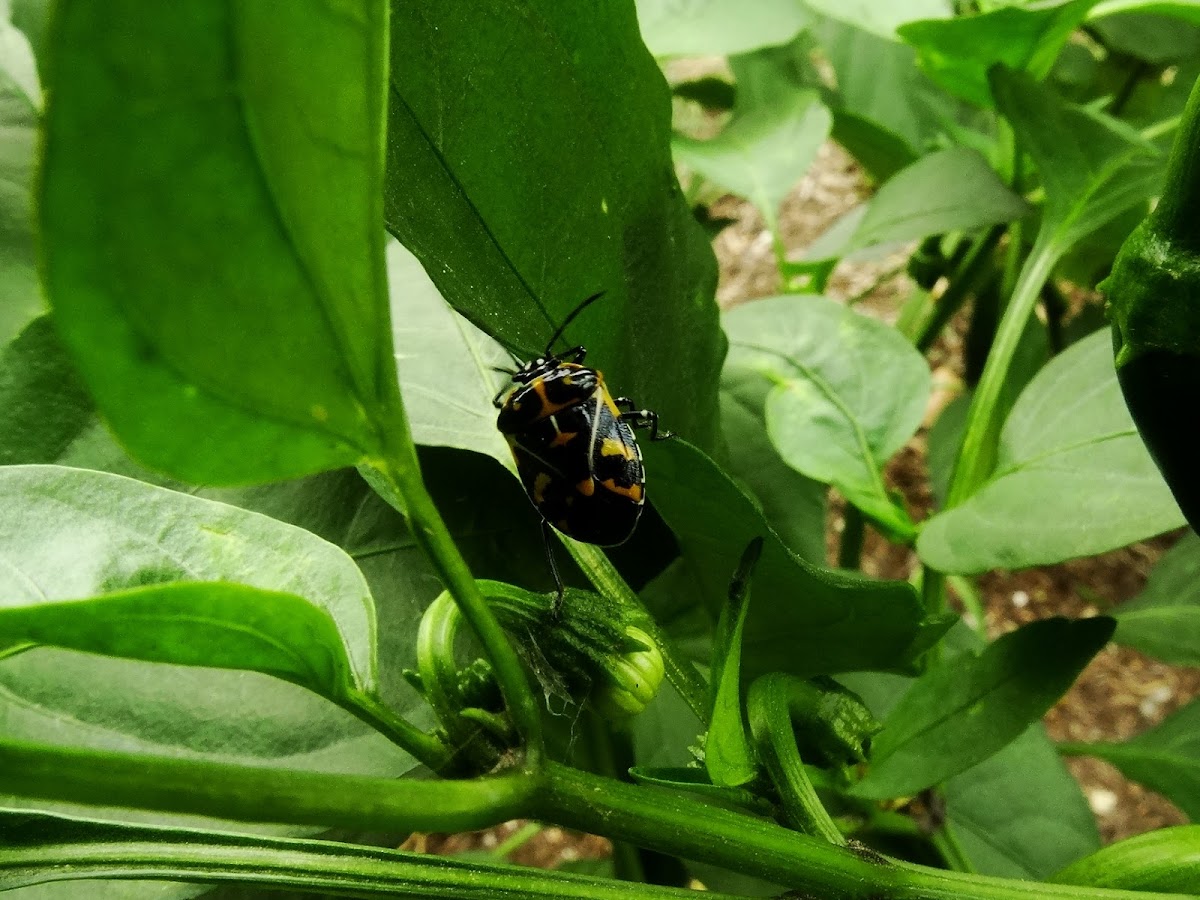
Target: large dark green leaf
x,y
1165,759
210,219
529,167
805,620
69,533
1020,813
1072,476
1163,621
957,53
963,710
848,391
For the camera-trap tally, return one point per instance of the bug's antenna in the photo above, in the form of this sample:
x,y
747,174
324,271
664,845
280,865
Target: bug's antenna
x,y
571,318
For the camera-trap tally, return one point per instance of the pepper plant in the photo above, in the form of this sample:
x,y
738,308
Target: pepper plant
x,y
272,597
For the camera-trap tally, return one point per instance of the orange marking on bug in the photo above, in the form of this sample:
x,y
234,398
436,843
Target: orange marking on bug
x,y
608,400
548,408
633,492
587,487
563,438
614,447
540,484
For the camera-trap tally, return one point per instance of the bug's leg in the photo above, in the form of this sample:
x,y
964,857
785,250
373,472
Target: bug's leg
x,y
645,418
575,355
558,584
624,404
496,400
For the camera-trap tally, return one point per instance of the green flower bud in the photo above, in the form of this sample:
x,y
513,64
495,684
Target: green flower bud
x,y
633,679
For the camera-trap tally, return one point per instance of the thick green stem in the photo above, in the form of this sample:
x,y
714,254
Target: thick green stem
x,y
672,823
771,724
50,848
608,581
260,794
975,455
402,473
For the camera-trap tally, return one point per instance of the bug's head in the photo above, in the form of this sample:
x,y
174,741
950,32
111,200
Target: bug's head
x,y
542,365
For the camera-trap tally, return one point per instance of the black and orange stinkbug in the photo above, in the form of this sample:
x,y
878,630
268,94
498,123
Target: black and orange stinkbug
x,y
574,445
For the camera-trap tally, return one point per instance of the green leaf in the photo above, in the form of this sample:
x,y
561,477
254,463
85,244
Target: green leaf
x,y
718,27
1163,621
1072,477
1165,759
957,53
20,102
447,366
1093,167
848,392
805,620
793,505
1167,860
882,19
572,192
214,624
45,406
210,212
69,533
949,190
727,754
1187,10
762,152
1020,813
963,710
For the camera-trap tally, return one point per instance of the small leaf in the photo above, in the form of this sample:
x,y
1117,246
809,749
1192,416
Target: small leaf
x,y
793,505
762,152
1163,621
882,19
957,53
727,754
210,223
1093,167
45,406
805,620
1072,477
848,392
572,192
1165,759
963,710
447,366
1020,813
716,28
949,190
219,625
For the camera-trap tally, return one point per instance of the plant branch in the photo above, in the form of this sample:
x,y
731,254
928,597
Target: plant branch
x,y
46,848
260,794
670,822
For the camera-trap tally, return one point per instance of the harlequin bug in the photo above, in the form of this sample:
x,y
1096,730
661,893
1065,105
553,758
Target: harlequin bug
x,y
574,445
